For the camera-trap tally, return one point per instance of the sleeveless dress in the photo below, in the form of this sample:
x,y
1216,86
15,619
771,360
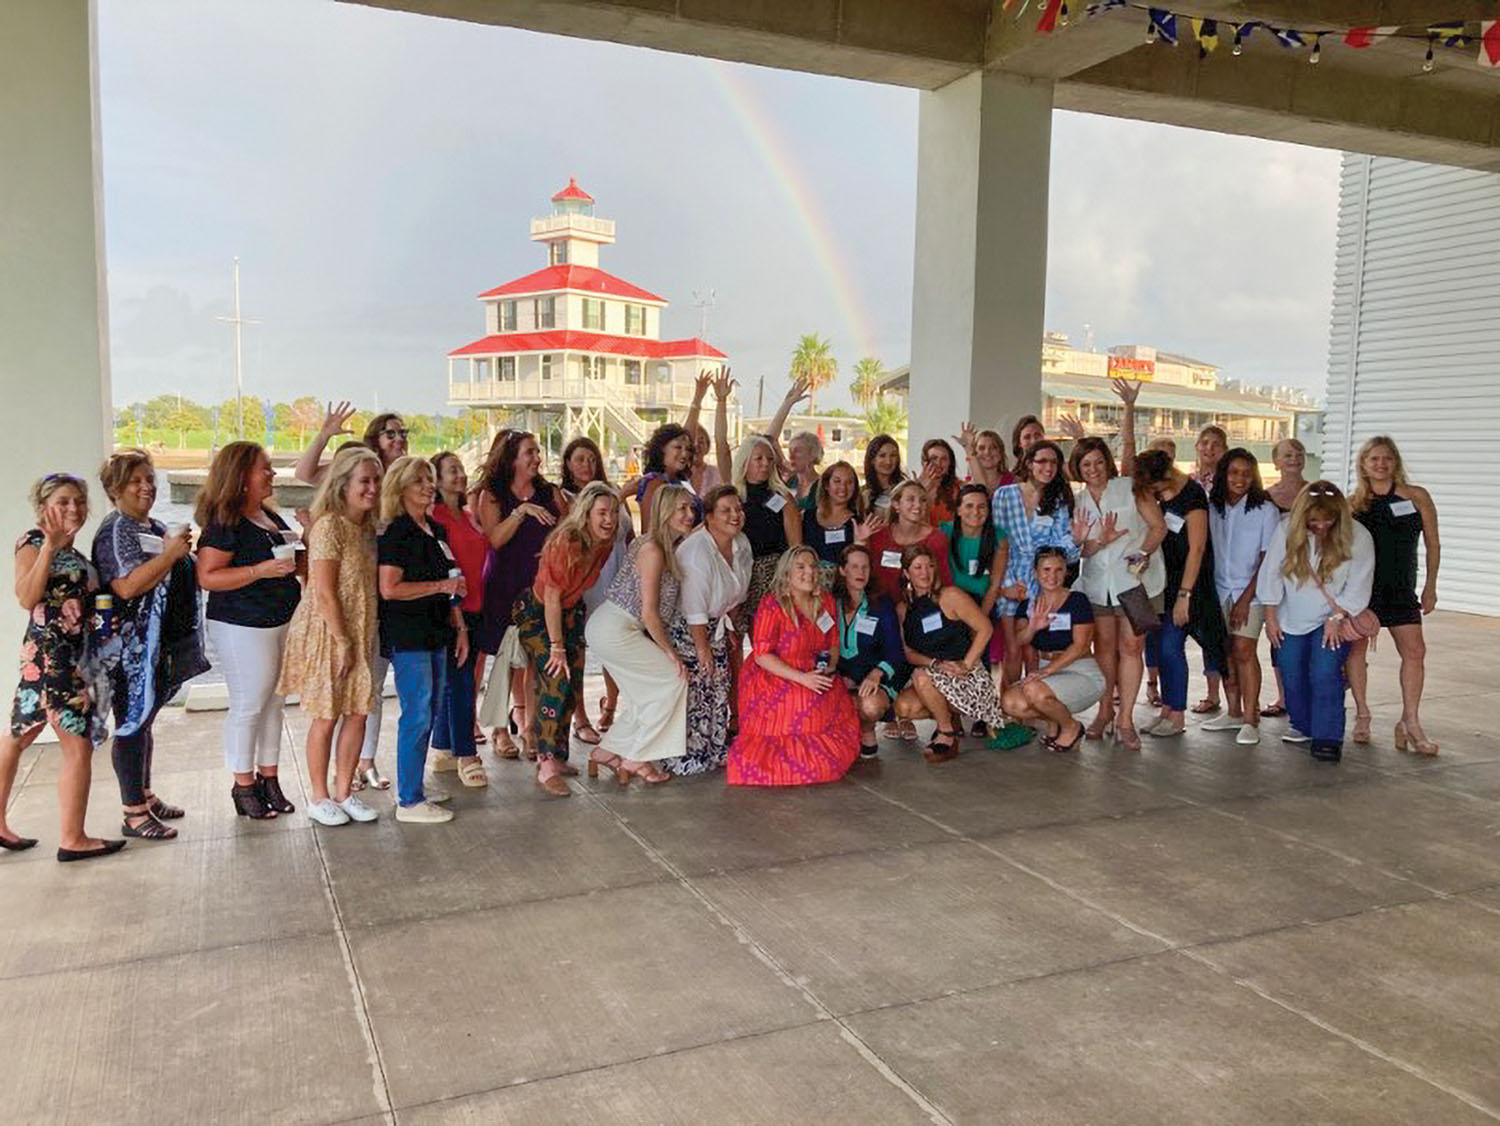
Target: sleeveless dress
x,y
52,651
765,528
790,735
1395,525
931,633
510,570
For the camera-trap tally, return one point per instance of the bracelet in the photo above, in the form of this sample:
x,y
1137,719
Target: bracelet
x,y
558,647
1184,594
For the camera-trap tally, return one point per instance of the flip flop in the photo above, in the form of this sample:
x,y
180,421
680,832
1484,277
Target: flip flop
x,y
1206,707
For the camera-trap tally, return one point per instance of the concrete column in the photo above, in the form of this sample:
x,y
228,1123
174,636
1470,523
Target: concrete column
x,y
54,363
979,291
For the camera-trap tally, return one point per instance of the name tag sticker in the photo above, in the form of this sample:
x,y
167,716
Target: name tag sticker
x,y
834,535
825,623
973,566
1060,620
932,622
447,551
1174,520
865,625
776,503
1403,508
890,559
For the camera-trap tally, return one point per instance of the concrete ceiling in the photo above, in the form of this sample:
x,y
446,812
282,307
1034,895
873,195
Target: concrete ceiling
x,y
1377,100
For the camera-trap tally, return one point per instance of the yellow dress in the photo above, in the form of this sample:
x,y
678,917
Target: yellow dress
x,y
309,666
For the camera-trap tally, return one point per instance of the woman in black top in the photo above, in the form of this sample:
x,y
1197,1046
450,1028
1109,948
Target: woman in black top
x,y
836,520
1396,513
420,588
944,635
770,518
247,561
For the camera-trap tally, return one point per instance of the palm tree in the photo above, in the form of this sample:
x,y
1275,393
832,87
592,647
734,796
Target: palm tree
x,y
813,361
869,374
887,416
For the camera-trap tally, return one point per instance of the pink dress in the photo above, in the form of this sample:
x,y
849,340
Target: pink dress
x,y
790,735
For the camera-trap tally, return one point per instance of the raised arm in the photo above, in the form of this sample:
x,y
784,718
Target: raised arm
x,y
308,468
700,389
723,385
1127,390
794,395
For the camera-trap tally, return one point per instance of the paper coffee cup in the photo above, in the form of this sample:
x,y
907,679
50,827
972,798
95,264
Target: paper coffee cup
x,y
284,551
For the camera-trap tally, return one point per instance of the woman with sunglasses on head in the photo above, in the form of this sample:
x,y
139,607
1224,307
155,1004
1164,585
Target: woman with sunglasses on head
x,y
150,574
872,661
882,475
56,587
944,636
1317,574
939,478
1059,624
1396,513
1035,512
985,452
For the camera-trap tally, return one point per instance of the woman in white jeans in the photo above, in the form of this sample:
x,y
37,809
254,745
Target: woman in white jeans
x,y
246,562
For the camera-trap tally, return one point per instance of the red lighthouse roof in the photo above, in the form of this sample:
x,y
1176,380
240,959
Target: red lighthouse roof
x,y
573,191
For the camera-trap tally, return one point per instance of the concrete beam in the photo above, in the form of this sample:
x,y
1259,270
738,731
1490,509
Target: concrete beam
x,y
1016,47
1350,13
919,43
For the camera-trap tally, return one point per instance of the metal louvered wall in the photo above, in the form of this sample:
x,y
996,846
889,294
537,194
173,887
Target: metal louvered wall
x,y
1414,350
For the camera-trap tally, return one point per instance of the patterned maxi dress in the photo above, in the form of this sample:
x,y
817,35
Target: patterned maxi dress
x,y
790,735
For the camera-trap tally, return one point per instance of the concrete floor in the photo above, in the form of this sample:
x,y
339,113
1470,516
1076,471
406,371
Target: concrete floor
x,y
1196,933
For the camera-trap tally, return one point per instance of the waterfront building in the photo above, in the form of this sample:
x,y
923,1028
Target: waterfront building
x,y
571,349
843,436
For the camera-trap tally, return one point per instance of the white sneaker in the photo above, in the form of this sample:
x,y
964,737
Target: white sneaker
x,y
435,793
424,813
441,761
1221,723
1249,735
327,812
1295,736
357,810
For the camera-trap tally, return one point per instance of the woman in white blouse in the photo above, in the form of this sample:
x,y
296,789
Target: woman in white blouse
x,y
716,560
1316,575
1118,531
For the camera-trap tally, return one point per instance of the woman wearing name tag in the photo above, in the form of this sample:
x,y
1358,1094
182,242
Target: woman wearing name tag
x,y
1395,513
1118,527
985,452
882,474
772,519
940,478
1315,577
669,461
797,725
977,555
944,635
1036,512
909,526
836,521
715,561
872,662
1059,624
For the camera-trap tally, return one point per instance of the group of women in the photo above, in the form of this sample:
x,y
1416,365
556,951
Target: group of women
x,y
1016,597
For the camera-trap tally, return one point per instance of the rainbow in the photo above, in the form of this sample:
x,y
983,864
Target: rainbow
x,y
778,160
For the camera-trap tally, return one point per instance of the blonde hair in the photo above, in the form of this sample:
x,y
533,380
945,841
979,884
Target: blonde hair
x,y
909,483
1276,449
575,525
329,500
405,470
1321,498
812,441
663,506
43,488
1362,491
781,582
742,464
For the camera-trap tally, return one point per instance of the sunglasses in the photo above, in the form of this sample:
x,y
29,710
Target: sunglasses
x,y
1322,491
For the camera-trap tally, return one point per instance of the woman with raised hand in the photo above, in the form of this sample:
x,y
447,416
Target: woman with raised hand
x,y
772,519
798,726
944,636
582,465
1191,607
550,624
1034,513
454,728
668,461
628,635
977,559
385,435
1316,575
1025,434
55,586
420,620
939,478
872,661
708,473
517,509
910,524
1242,521
247,561
333,636
1395,513
984,451
1118,526
715,561
1059,624
837,520
882,474
150,574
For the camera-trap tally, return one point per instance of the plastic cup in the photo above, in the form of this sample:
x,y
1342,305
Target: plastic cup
x,y
284,551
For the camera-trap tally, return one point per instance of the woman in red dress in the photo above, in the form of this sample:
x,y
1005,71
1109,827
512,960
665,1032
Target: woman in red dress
x,y
797,723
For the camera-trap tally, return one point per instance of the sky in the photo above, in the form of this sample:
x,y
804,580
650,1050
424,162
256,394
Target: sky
x,y
374,171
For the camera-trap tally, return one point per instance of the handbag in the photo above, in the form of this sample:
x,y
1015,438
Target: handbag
x,y
1355,627
1136,605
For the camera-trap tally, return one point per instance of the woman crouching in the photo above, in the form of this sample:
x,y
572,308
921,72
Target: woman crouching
x,y
871,660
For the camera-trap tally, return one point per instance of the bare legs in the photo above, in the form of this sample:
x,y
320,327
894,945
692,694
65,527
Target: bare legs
x,y
1130,666
1246,663
920,699
319,748
1034,700
1106,627
871,708
72,785
1412,648
10,759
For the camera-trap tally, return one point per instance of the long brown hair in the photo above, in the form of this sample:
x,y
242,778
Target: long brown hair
x,y
222,500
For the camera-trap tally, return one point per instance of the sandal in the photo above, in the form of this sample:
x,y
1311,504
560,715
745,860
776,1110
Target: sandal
x,y
1405,740
1128,738
1153,694
480,738
906,731
1059,747
610,762
583,731
554,785
942,752
528,746
149,829
1207,707
647,772
505,746
1361,727
371,776
471,771
606,713
1275,710
161,810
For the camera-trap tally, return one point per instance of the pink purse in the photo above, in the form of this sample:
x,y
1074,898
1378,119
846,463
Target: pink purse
x,y
1355,627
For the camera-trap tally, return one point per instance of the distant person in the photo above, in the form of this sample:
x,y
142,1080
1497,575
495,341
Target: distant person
x,y
710,471
669,461
1027,432
872,662
247,561
1315,577
939,478
882,475
1395,513
1059,624
797,724
150,574
985,453
55,586
1241,524
332,641
1209,449
804,452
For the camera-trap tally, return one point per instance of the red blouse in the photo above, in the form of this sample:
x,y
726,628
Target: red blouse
x,y
470,550
885,573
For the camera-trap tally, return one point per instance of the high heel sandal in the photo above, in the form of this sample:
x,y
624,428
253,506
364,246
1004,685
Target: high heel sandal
x,y
1096,731
249,803
647,772
1407,741
1128,738
942,752
1060,747
606,714
270,793
609,762
1362,729
372,778
505,746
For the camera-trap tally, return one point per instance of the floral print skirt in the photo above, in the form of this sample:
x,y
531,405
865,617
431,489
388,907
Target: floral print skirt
x,y
707,705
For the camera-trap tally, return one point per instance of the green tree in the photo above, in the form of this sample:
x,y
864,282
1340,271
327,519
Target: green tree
x,y
813,361
887,416
306,415
869,374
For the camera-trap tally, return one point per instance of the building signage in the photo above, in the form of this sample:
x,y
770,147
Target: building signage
x,y
1129,367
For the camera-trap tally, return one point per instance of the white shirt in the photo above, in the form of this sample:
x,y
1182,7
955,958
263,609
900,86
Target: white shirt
x,y
1238,538
710,586
1103,575
1300,606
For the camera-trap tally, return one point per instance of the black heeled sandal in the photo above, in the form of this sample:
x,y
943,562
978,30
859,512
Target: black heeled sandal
x,y
249,803
269,786
161,810
150,829
942,752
